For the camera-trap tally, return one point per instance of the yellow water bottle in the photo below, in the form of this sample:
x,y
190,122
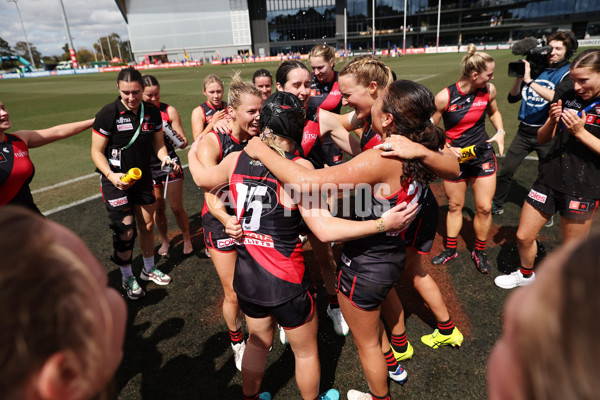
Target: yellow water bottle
x,y
468,153
132,175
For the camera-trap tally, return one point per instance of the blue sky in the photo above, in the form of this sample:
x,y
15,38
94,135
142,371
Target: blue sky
x,y
45,28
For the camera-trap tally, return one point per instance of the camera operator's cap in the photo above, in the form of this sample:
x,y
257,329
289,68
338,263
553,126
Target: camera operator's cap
x,y
285,115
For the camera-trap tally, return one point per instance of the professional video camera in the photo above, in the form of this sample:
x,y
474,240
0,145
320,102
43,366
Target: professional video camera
x,y
535,52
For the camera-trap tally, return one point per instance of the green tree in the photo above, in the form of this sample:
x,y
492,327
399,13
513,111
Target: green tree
x,y
5,49
22,50
115,42
84,56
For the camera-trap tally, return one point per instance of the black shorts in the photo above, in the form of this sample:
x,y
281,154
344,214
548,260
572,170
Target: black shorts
x,y
420,234
215,236
549,201
364,293
483,166
288,315
159,176
140,193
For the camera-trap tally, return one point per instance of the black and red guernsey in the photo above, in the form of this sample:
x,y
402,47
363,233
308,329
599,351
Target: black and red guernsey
x,y
156,163
326,96
228,144
208,110
16,173
369,138
464,117
270,266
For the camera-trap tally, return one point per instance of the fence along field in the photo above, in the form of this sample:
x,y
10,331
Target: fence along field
x,y
43,102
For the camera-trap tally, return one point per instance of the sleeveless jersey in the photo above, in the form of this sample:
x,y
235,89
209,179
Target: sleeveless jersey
x,y
326,96
369,138
464,117
571,167
16,173
311,142
208,110
156,163
228,144
270,267
369,254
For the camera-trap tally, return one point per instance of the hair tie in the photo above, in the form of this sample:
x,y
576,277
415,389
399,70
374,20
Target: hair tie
x,y
426,124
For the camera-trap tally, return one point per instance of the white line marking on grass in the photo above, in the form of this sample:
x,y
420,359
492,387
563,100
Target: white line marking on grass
x,y
65,183
78,202
73,204
81,178
425,77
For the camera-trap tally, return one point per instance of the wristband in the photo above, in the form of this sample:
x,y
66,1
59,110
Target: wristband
x,y
528,84
380,225
107,175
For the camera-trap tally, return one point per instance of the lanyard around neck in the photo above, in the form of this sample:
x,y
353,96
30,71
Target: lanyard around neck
x,y
137,131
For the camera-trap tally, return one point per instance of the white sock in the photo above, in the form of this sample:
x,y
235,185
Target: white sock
x,y
126,272
148,263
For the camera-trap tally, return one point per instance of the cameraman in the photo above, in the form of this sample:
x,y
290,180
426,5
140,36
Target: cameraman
x,y
536,94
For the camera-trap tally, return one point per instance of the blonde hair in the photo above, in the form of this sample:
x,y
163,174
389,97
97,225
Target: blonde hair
x,y
212,78
237,88
367,69
47,298
270,140
323,50
474,61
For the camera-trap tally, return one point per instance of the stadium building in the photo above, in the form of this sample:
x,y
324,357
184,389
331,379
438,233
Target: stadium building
x,y
215,29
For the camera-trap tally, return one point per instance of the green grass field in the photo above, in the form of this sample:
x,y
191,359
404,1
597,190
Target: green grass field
x,y
177,345
42,102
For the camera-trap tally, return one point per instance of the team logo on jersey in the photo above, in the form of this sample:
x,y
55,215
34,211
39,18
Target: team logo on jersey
x,y
597,109
578,205
537,196
3,158
5,150
487,167
455,107
124,127
147,126
480,103
572,104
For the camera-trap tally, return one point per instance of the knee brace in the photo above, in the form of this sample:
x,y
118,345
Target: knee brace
x,y
119,244
255,357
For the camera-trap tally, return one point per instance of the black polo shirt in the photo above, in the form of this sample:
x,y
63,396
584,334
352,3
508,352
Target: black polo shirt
x,y
118,124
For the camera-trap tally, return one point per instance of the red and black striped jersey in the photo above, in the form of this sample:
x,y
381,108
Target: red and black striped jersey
x,y
270,266
464,116
16,173
208,110
228,144
369,138
370,207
